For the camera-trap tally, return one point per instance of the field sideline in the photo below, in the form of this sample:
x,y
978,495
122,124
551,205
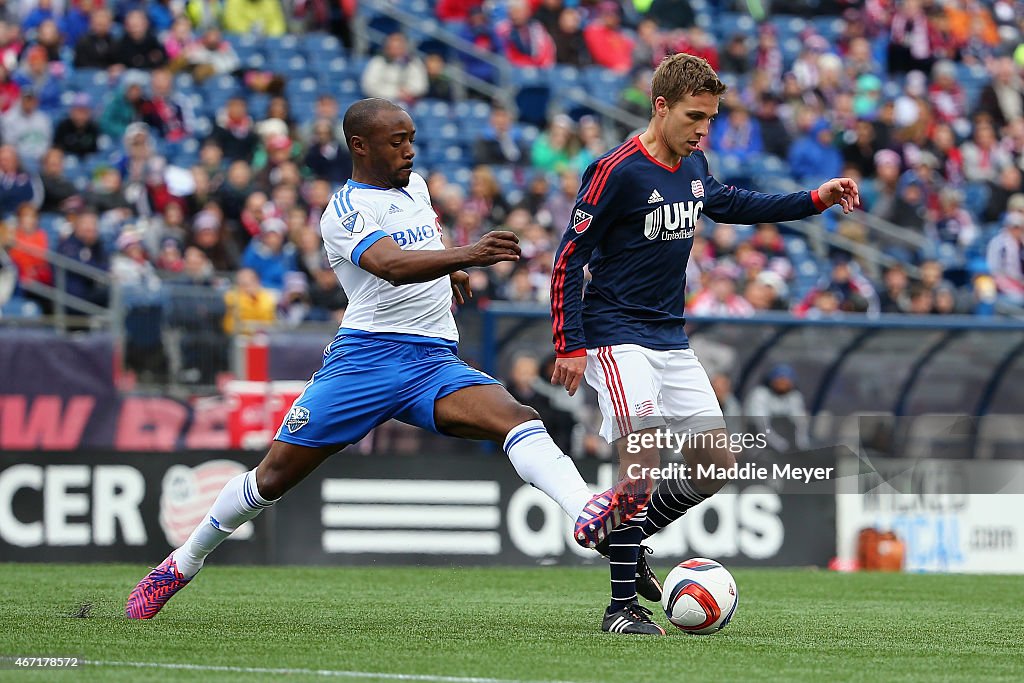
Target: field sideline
x,y
539,624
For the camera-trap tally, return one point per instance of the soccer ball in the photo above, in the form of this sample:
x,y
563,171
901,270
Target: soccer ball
x,y
699,596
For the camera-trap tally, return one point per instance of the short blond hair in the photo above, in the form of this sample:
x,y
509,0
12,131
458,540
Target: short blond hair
x,y
681,75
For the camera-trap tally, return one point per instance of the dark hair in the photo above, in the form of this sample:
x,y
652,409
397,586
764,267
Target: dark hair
x,y
682,74
361,117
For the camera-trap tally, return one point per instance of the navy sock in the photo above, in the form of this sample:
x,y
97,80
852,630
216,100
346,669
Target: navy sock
x,y
623,551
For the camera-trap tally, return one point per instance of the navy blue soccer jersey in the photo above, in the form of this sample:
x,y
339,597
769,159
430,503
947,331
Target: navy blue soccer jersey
x,y
633,224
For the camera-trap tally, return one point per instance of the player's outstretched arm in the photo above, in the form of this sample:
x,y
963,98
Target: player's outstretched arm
x,y
388,261
729,204
841,191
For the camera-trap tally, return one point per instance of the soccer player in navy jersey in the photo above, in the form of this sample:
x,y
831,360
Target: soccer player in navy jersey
x,y
633,225
393,357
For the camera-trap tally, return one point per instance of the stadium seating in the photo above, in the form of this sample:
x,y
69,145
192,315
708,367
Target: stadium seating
x,y
316,63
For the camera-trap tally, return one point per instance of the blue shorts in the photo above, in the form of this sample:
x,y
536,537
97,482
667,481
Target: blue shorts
x,y
369,378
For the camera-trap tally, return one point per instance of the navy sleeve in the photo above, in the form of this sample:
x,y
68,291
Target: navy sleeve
x,y
591,217
728,204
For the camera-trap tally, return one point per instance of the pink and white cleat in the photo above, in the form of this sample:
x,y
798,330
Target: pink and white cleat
x,y
158,586
609,509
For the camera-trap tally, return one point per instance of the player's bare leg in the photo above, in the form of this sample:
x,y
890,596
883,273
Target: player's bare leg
x,y
241,500
286,464
488,412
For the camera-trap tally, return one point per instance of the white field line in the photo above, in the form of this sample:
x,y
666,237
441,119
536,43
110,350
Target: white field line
x,y
328,673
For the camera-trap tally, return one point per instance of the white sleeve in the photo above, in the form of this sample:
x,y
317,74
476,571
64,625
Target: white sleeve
x,y
349,226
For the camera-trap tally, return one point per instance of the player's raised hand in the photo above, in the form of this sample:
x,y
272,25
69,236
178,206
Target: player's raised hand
x,y
494,247
460,283
842,191
569,372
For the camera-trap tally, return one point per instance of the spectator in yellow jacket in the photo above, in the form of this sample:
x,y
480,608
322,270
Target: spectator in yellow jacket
x,y
261,17
249,306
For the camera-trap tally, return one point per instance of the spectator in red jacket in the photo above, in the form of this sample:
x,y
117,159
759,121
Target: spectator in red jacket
x,y
698,42
29,241
947,95
525,42
9,90
609,45
456,10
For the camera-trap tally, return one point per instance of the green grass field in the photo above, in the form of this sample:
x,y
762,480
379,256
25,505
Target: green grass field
x,y
512,624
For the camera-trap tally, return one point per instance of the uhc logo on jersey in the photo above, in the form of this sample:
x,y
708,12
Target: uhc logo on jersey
x,y
581,221
675,221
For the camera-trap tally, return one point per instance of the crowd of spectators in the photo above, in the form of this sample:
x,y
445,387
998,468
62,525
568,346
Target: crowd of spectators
x,y
921,102
175,200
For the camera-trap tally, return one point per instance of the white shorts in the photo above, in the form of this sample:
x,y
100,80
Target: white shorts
x,y
639,388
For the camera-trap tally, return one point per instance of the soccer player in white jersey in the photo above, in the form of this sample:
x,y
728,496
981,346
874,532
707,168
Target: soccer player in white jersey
x,y
393,357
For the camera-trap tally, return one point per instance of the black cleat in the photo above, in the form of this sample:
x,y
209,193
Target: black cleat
x,y
633,618
647,584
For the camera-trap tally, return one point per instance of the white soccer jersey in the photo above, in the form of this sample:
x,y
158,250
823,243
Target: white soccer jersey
x,y
358,216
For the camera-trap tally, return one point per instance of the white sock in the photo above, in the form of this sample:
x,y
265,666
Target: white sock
x,y
543,464
239,501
